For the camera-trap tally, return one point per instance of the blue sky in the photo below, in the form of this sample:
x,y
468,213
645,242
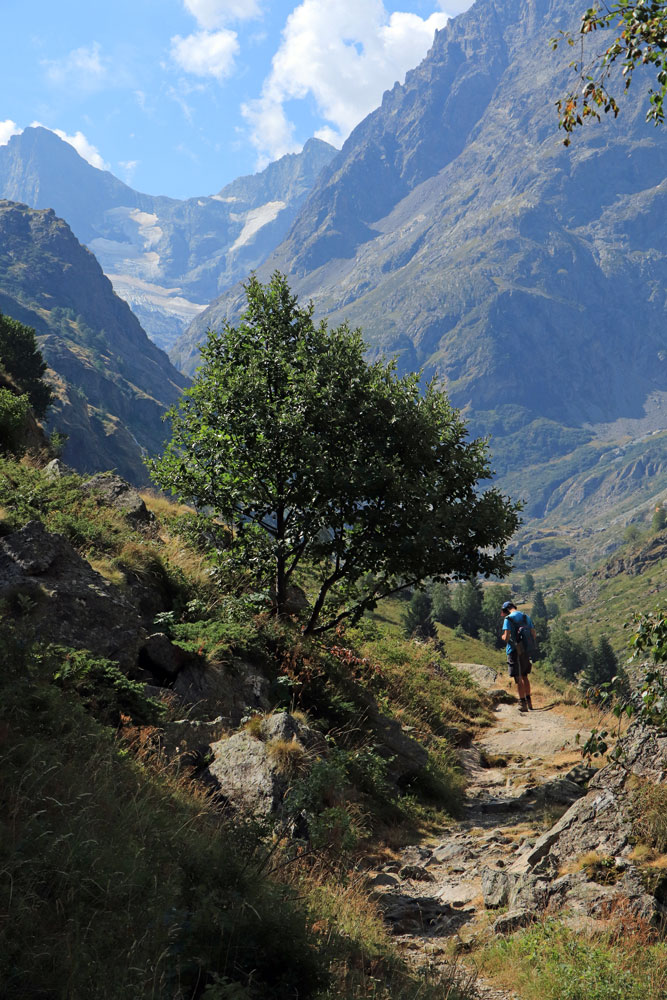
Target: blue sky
x,y
179,97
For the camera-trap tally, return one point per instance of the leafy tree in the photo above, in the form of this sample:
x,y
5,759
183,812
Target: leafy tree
x,y
21,358
13,414
467,602
417,620
493,598
568,656
640,38
528,583
632,533
659,519
571,599
292,437
443,611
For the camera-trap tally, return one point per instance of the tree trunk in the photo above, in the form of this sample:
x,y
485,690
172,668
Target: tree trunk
x,y
281,564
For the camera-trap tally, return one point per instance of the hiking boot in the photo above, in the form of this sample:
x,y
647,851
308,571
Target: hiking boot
x,y
529,703
523,707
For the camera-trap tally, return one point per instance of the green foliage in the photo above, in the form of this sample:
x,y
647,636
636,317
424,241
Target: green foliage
x,y
602,666
539,608
632,533
115,884
21,358
13,414
566,655
551,962
649,705
553,610
103,689
418,618
292,438
467,602
528,582
571,599
491,616
443,611
62,506
640,29
659,519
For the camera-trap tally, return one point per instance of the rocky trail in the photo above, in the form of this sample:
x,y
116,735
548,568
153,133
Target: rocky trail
x,y
522,774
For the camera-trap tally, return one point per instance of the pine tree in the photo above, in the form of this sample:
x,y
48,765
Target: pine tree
x,y
417,620
603,665
443,611
539,609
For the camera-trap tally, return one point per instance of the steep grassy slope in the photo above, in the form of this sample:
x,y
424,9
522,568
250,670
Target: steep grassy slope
x,y
112,384
123,878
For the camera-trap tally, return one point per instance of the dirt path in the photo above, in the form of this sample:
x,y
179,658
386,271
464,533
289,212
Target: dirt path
x,y
522,775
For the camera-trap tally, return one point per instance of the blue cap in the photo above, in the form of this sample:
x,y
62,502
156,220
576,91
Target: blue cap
x,y
507,605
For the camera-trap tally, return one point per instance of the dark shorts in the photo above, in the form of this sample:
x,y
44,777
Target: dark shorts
x,y
518,663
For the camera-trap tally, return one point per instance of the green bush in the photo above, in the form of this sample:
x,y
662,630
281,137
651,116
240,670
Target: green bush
x,y
103,688
13,414
552,962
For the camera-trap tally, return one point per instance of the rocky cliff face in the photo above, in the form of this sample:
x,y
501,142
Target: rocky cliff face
x,y
167,258
461,235
113,385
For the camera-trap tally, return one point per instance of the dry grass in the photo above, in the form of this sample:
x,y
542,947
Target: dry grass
x,y
106,567
162,506
254,726
289,757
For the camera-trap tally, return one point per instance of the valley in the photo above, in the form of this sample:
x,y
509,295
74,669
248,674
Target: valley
x,y
274,463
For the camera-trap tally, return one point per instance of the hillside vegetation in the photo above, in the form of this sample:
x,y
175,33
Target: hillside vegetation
x,y
123,874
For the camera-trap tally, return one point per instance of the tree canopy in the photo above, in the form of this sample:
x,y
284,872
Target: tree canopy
x,y
329,461
21,358
640,39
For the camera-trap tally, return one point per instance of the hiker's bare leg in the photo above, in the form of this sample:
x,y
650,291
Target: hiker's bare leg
x,y
521,683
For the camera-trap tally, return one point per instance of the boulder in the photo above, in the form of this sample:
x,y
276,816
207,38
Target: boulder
x,y
406,758
244,773
232,690
495,888
115,492
159,655
512,921
248,775
42,577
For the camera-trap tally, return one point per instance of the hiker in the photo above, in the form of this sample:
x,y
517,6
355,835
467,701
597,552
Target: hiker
x,y
514,623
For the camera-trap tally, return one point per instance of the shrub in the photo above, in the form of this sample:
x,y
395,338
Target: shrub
x,y
13,415
650,815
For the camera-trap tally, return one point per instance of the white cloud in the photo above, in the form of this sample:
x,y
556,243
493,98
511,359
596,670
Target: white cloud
x,y
8,128
206,53
345,55
81,144
212,14
83,68
129,167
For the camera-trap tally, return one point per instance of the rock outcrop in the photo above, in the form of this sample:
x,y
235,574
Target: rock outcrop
x,y
253,771
45,580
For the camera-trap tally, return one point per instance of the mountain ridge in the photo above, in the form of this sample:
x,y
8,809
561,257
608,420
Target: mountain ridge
x,y
521,274
112,384
168,258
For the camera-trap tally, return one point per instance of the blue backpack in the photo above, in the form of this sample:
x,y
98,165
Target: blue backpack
x,y
522,634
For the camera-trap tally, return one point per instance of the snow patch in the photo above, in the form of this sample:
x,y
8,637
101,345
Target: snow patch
x,y
156,297
255,219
